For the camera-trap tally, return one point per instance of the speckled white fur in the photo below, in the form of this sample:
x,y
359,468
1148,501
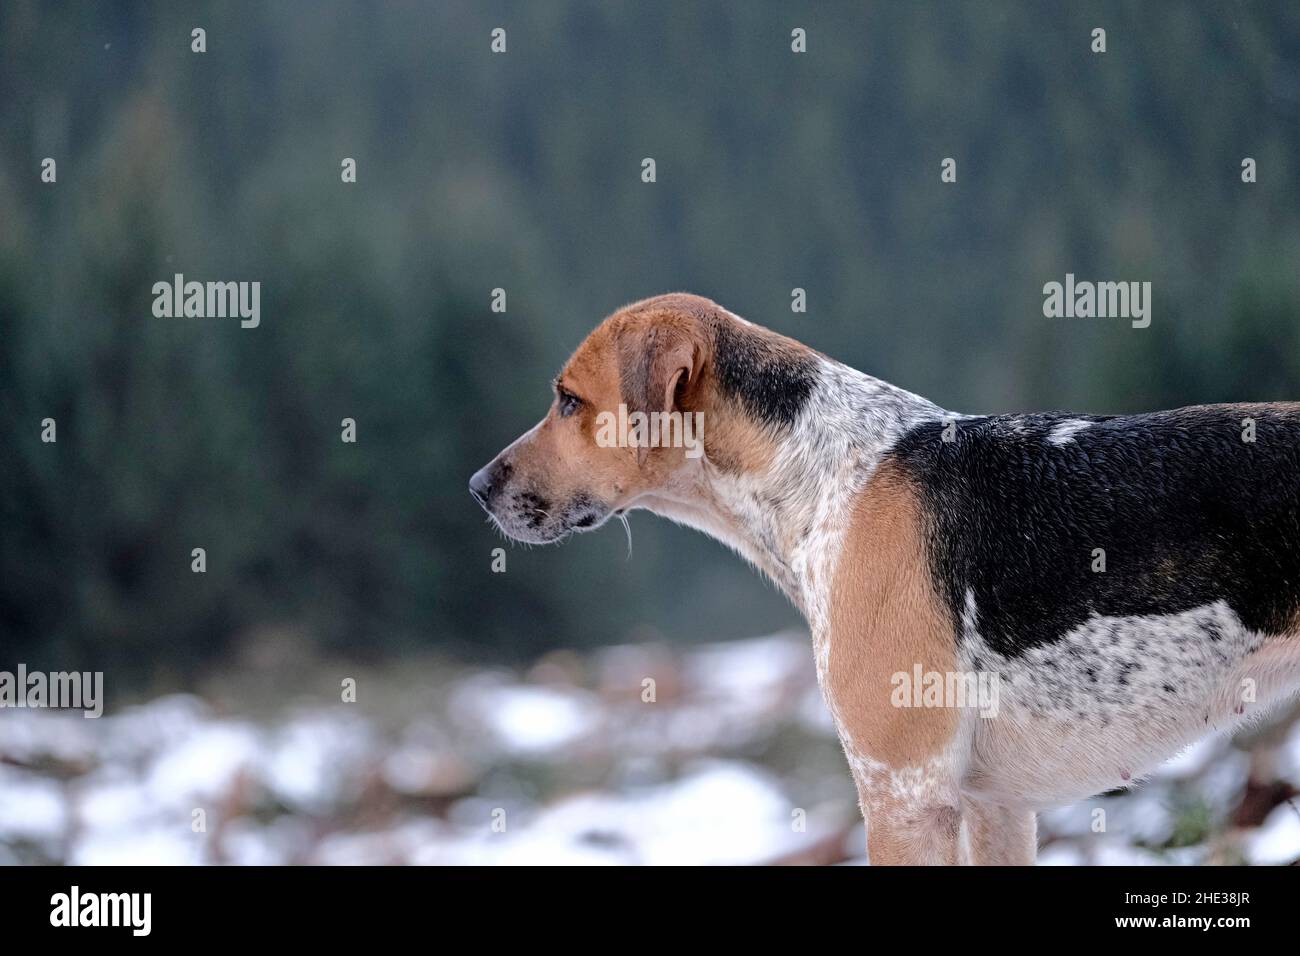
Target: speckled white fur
x,y
791,521
1115,697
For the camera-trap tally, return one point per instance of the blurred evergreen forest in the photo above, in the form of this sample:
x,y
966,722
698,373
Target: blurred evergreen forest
x,y
522,171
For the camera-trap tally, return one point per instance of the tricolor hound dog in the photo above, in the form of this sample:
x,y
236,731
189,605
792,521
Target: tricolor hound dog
x,y
1132,582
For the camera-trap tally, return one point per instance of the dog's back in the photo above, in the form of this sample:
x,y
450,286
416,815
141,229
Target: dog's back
x,y
1124,576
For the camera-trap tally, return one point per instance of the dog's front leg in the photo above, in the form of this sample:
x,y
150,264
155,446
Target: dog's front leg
x,y
884,646
909,826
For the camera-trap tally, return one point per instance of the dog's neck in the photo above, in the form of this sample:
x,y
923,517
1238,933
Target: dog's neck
x,y
788,515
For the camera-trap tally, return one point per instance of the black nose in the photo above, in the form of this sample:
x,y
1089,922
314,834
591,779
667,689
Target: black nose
x,y
480,486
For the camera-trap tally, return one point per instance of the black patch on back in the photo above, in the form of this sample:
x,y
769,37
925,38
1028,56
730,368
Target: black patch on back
x,y
771,380
1186,511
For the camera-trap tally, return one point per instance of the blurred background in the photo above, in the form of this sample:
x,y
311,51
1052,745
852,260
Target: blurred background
x,y
521,691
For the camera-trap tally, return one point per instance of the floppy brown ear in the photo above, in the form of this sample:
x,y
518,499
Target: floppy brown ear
x,y
656,367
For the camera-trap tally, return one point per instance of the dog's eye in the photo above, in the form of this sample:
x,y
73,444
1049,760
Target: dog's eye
x,y
568,403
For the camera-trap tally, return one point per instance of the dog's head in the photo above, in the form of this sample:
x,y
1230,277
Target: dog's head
x,y
624,422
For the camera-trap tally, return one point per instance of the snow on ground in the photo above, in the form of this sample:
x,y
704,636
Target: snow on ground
x,y
729,758
1277,841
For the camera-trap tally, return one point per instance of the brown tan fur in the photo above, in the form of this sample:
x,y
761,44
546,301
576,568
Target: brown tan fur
x,y
885,618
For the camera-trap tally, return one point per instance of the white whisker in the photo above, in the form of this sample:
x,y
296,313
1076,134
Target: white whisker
x,y
628,528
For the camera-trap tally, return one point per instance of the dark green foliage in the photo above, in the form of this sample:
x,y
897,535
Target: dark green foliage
x,y
522,171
